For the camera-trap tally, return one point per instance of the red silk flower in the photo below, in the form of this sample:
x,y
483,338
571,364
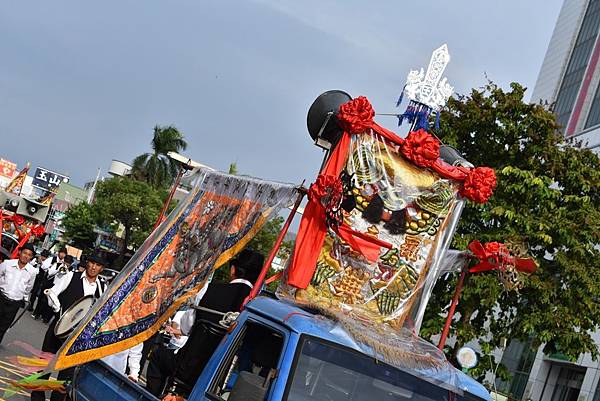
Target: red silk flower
x,y
493,247
421,148
356,116
327,191
479,184
38,230
18,220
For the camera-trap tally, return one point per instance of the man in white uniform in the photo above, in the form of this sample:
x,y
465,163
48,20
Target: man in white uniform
x,y
129,358
16,281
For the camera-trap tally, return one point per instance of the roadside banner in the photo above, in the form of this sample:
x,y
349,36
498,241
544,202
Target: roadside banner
x,y
7,168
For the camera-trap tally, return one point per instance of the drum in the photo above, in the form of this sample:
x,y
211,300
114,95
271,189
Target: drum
x,y
73,316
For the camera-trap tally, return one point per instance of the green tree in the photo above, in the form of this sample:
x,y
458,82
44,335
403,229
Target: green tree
x,y
131,204
79,222
233,168
156,168
548,197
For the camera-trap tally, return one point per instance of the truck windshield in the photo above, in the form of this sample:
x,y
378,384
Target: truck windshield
x,y
331,373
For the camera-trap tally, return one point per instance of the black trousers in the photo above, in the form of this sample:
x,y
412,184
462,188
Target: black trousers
x,y
42,308
36,291
162,366
8,311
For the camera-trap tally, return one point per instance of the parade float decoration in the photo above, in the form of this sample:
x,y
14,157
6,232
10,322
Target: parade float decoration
x,y
19,217
380,218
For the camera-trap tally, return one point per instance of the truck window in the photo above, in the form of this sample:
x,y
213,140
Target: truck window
x,y
325,372
248,370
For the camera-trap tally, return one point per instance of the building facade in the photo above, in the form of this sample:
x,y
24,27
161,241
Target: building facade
x,y
569,82
569,79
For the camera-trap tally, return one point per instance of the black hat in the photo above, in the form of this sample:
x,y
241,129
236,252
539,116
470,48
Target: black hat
x,y
97,258
28,246
68,259
248,264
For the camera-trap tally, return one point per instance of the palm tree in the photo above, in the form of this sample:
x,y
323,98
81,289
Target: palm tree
x,y
156,168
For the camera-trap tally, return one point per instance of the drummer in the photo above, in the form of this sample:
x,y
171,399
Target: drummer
x,y
68,289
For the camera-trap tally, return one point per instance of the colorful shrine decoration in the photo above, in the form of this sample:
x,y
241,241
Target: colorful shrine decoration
x,y
216,220
374,225
19,227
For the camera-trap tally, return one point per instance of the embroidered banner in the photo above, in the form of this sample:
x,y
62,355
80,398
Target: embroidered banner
x,y
392,219
217,219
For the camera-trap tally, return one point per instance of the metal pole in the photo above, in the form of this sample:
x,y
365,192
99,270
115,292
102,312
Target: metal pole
x,y
169,198
459,287
92,190
265,269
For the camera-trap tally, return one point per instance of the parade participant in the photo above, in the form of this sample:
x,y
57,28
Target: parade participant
x,y
68,263
51,268
16,281
189,362
66,291
39,278
127,361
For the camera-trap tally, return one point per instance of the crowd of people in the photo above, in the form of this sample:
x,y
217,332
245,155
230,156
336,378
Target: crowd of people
x,y
48,285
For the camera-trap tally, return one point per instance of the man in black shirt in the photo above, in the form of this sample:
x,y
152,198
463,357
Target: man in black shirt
x,y
190,360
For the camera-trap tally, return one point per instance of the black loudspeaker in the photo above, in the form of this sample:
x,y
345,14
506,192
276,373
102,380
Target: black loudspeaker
x,y
322,125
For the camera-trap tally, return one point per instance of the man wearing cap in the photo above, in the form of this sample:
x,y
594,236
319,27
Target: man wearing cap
x,y
69,288
189,362
16,281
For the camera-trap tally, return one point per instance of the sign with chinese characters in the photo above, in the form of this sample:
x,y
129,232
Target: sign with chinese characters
x,y
7,168
47,179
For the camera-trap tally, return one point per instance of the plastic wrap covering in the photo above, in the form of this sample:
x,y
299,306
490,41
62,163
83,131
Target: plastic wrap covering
x,y
395,221
217,219
397,347
452,261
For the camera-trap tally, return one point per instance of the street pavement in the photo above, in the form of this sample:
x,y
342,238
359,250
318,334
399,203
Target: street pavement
x,y
27,330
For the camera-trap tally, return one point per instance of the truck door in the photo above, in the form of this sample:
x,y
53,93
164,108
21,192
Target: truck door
x,y
250,367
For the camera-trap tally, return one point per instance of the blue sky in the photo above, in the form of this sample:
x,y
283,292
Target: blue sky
x,y
82,83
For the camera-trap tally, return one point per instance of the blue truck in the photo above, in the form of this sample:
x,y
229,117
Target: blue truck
x,y
277,351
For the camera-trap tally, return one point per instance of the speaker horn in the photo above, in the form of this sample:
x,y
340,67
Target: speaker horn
x,y
322,125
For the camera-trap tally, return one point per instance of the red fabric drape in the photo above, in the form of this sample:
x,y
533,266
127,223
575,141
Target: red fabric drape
x,y
311,233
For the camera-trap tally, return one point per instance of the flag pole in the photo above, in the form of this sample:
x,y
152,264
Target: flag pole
x,y
265,269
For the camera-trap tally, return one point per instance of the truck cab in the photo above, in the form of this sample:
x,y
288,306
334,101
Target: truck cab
x,y
278,351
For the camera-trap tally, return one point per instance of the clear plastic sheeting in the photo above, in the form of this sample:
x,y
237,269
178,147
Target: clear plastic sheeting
x,y
409,212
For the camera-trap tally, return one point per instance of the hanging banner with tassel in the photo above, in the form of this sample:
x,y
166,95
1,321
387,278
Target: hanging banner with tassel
x,y
217,219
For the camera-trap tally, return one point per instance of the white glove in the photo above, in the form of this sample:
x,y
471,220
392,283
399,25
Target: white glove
x,y
53,301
